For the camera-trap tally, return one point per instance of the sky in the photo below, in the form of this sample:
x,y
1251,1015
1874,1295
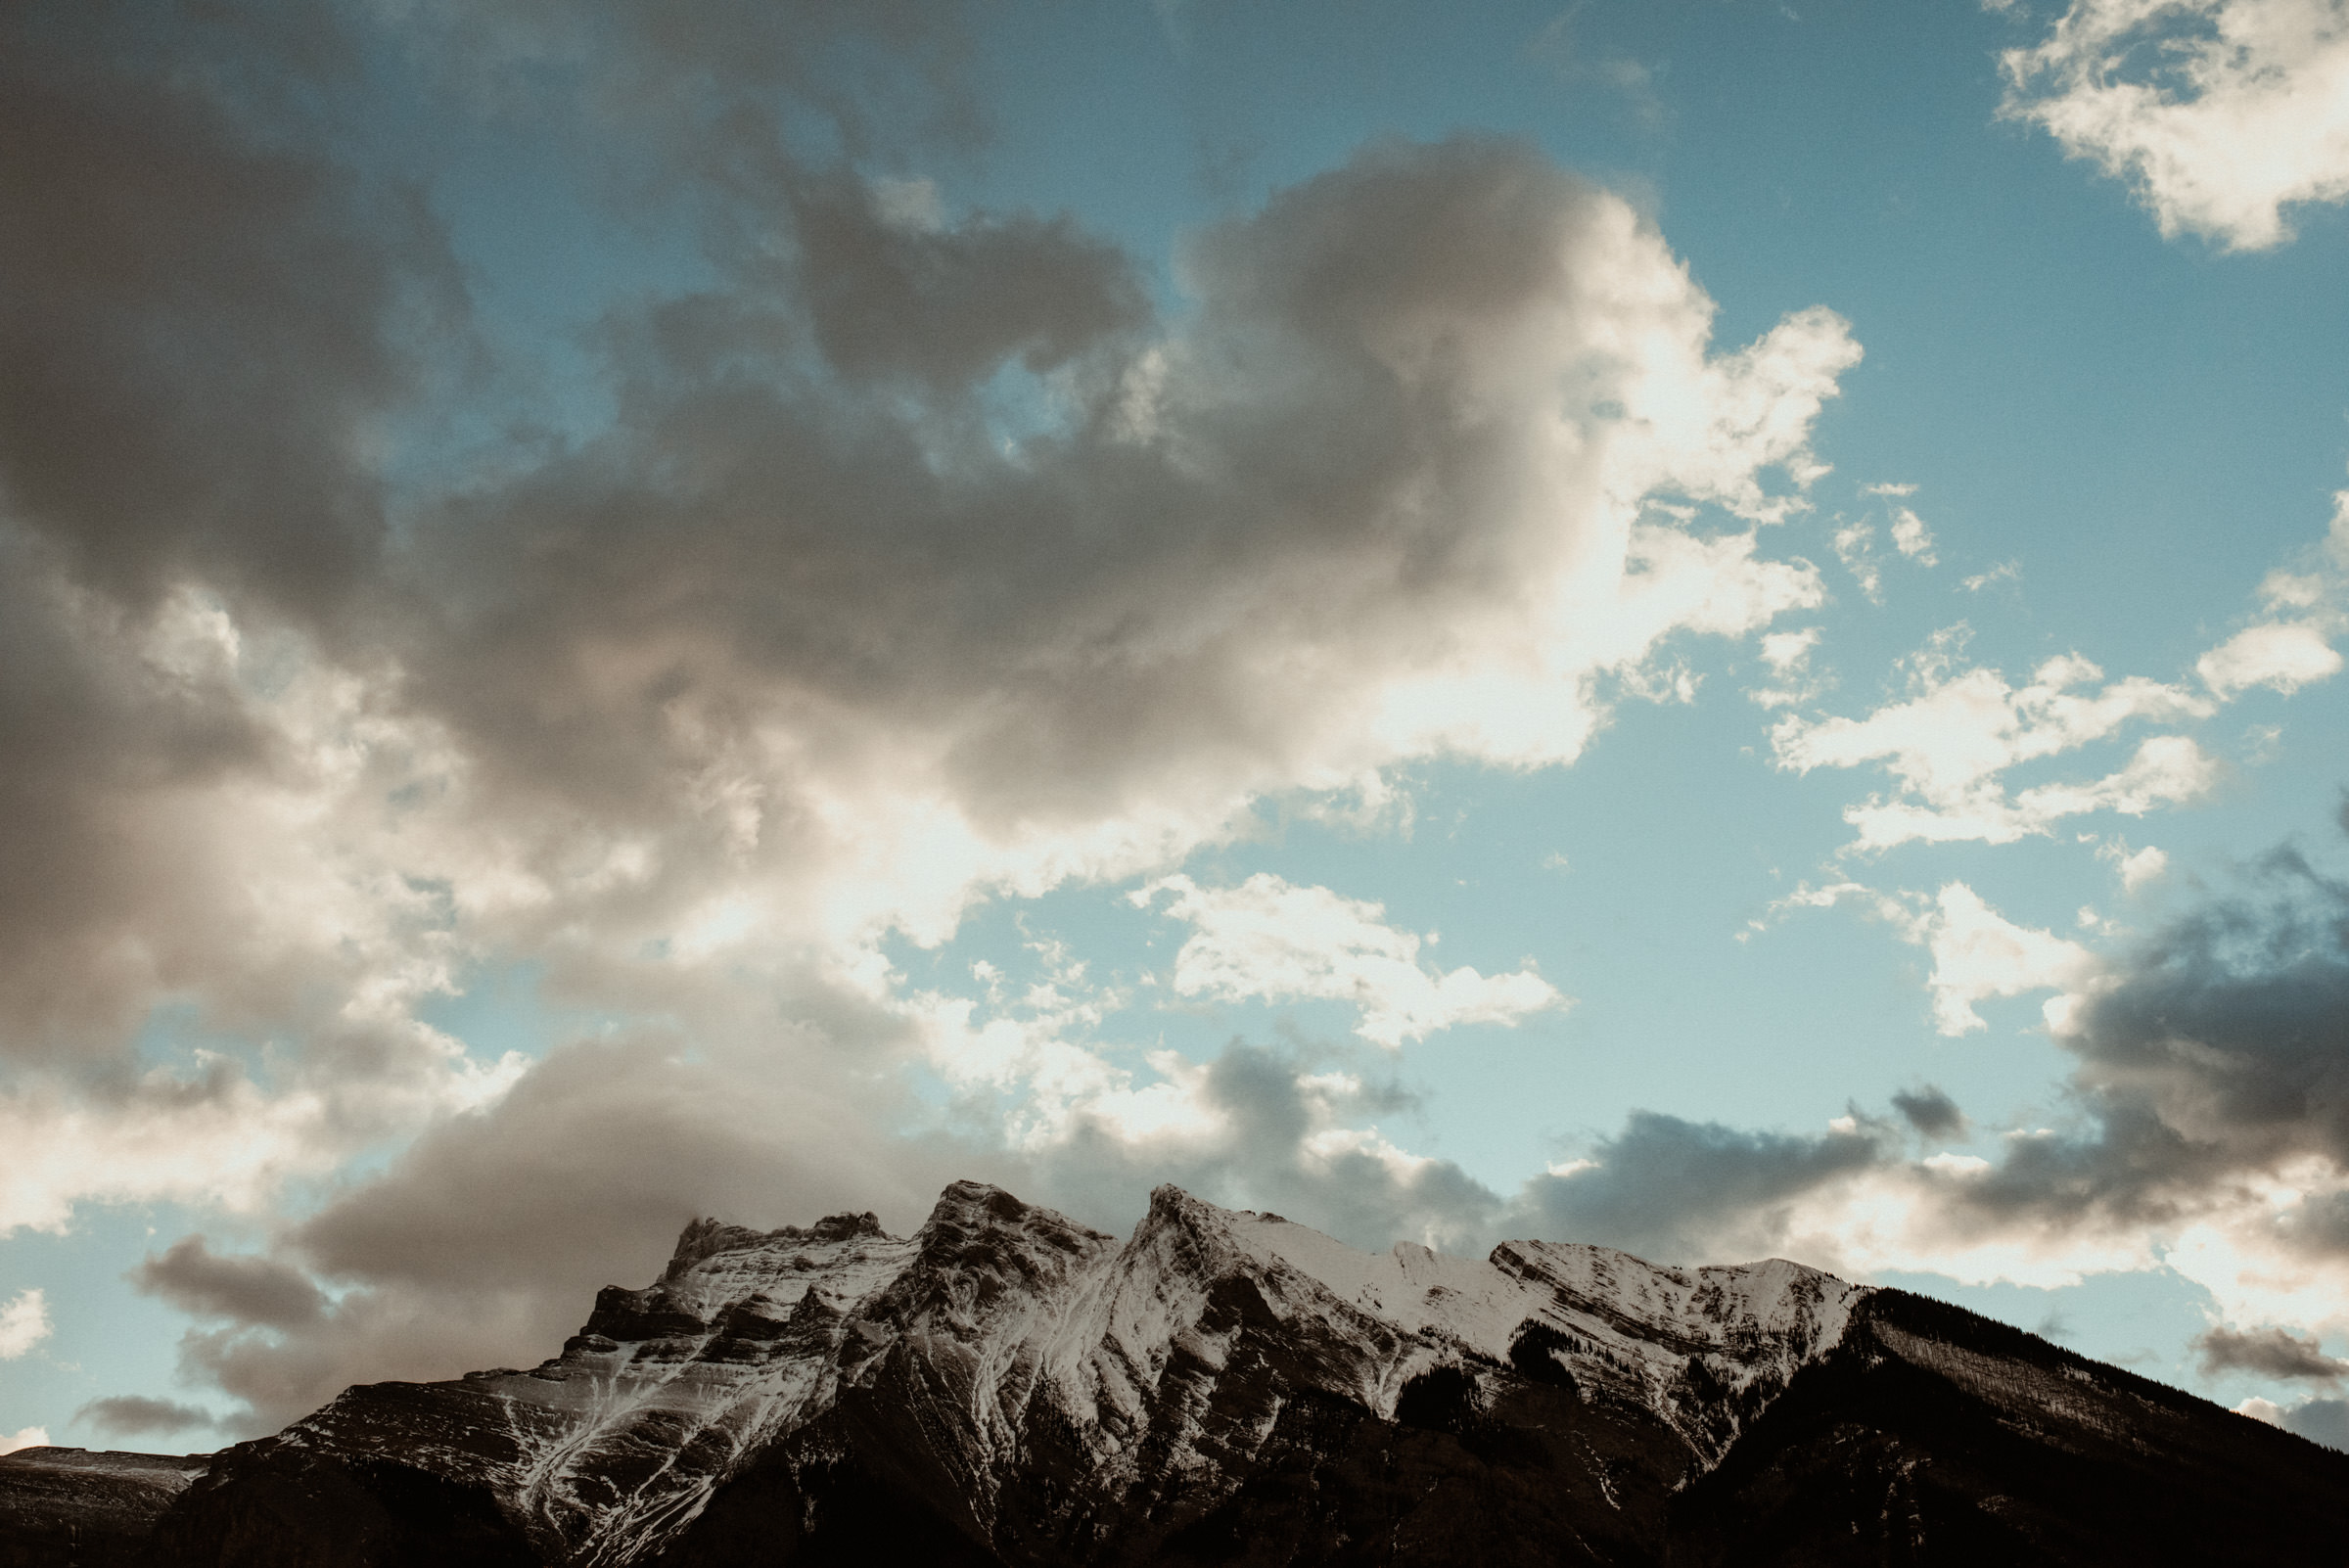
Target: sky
x,y
1703,626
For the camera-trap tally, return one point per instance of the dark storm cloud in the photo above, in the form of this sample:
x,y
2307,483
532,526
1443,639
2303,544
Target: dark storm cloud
x,y
215,325
1931,1112
205,326
2268,1352
134,1415
2208,1059
247,1289
2214,1053
1695,1192
903,296
202,330
2325,1421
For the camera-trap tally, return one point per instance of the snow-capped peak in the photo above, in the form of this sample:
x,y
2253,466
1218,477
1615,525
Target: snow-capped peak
x,y
1165,1361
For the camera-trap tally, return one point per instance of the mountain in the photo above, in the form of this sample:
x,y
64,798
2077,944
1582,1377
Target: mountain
x,y
1008,1387
92,1511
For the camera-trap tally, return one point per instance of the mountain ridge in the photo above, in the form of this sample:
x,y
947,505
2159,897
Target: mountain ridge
x,y
1007,1386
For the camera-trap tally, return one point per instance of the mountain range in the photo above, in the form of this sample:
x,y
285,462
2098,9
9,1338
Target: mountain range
x,y
1007,1387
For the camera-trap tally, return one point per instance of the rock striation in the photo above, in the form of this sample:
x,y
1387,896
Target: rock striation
x,y
1009,1387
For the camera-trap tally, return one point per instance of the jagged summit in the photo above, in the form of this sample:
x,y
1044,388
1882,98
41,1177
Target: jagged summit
x,y
1007,1386
707,1238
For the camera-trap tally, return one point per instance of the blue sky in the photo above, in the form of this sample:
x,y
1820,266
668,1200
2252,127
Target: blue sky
x,y
1702,626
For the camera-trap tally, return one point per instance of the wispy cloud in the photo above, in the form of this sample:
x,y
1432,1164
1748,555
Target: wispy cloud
x,y
23,1323
1270,938
2220,114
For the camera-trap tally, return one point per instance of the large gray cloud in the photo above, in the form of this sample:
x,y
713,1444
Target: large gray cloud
x,y
485,1241
199,327
134,1416
204,328
2325,1421
1931,1112
248,1289
1201,574
2270,1353
2217,1052
920,559
1697,1192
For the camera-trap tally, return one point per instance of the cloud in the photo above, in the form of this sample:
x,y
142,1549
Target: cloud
x,y
211,1135
2203,1131
250,1290
2003,572
134,1415
1959,729
2219,113
1788,654
1931,1112
2325,1421
23,1323
919,562
2282,656
1979,954
32,1437
1854,546
631,707
205,329
1695,1192
1855,542
1221,572
1911,537
882,78
1271,940
2268,1352
2138,867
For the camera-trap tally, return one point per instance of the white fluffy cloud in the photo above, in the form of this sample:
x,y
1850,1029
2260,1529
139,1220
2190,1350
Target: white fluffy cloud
x,y
23,1323
1787,655
32,1437
1960,729
1979,954
2222,113
1911,537
1270,939
2282,656
2138,867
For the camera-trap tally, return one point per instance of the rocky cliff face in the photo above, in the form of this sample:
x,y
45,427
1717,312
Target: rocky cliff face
x,y
1009,1387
